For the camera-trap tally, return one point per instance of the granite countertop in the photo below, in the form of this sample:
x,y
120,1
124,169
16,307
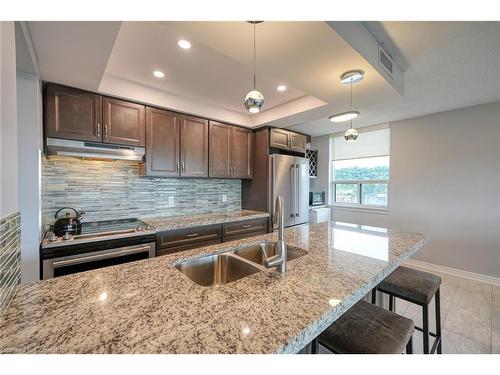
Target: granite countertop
x,y
150,307
182,222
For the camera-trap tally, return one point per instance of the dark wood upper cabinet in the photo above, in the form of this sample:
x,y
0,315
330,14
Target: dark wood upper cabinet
x,y
194,147
287,140
242,152
162,143
220,150
298,142
279,138
72,114
230,151
123,122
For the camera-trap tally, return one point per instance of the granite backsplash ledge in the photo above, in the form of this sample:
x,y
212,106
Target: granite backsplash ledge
x,y
113,189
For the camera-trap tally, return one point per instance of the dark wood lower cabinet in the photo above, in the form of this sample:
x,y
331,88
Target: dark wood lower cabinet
x,y
173,241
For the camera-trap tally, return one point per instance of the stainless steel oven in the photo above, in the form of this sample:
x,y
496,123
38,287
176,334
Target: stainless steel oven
x,y
65,265
98,244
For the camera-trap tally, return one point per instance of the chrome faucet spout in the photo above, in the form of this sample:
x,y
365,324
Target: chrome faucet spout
x,y
279,260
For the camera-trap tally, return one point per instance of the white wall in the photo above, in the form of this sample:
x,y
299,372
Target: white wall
x,y
445,181
29,151
321,183
8,121
29,131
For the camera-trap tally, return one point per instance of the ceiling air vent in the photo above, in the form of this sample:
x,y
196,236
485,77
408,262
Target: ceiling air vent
x,y
385,61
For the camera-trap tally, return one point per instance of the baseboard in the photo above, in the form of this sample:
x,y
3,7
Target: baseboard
x,y
424,266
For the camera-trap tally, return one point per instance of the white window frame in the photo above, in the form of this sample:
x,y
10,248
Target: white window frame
x,y
359,205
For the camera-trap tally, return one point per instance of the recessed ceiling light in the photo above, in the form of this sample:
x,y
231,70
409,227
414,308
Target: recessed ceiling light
x,y
281,88
344,116
158,74
184,44
352,76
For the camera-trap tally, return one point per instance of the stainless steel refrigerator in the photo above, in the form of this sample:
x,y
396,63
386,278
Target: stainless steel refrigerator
x,y
290,179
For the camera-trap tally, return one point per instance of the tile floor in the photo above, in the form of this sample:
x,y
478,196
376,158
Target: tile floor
x,y
470,317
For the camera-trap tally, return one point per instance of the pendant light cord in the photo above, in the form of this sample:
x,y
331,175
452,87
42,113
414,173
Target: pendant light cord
x,y
254,54
351,104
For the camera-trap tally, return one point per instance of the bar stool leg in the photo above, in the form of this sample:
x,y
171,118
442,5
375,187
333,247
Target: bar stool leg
x,y
391,302
374,296
409,346
425,328
314,346
437,300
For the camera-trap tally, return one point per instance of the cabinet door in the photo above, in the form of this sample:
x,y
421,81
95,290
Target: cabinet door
x,y
72,114
194,147
242,153
280,139
124,122
162,143
298,142
220,150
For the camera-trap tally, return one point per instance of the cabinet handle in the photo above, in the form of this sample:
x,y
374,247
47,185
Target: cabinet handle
x,y
192,235
246,226
178,166
183,168
106,131
98,130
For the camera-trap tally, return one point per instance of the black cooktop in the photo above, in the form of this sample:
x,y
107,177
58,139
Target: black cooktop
x,y
97,228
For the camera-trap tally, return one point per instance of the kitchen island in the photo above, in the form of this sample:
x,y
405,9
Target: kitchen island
x,y
151,307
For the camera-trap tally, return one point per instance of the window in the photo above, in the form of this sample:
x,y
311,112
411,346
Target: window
x,y
360,170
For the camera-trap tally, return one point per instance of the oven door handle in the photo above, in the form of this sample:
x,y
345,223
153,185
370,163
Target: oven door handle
x,y
91,258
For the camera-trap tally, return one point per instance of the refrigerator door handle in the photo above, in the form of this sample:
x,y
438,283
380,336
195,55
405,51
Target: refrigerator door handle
x,y
297,190
292,190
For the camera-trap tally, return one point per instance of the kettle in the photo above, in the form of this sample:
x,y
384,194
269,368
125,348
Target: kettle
x,y
68,223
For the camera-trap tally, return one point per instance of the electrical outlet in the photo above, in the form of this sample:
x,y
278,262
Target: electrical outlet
x,y
224,198
171,200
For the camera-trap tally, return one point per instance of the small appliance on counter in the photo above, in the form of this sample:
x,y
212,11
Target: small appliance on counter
x,y
316,199
70,246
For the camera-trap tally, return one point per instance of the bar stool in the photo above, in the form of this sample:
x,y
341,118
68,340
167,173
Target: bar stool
x,y
367,329
417,287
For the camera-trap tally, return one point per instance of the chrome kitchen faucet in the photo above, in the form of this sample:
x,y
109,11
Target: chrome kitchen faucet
x,y
278,219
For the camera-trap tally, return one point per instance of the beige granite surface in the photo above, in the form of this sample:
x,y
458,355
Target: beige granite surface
x,y
181,222
150,307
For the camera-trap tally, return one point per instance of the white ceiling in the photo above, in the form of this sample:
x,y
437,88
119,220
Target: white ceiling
x,y
448,65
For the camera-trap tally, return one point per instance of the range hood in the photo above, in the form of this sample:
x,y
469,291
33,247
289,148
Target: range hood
x,y
93,150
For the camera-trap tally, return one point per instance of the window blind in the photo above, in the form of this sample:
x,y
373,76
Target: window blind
x,y
369,143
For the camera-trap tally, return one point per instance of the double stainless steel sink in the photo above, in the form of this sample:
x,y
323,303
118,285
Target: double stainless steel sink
x,y
220,269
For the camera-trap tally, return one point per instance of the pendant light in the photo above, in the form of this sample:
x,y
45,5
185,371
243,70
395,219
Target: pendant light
x,y
254,99
351,134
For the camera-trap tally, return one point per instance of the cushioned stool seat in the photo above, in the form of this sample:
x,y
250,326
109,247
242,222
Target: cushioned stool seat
x,y
411,284
366,328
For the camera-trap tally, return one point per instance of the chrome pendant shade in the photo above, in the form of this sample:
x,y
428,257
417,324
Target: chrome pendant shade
x,y
254,101
351,135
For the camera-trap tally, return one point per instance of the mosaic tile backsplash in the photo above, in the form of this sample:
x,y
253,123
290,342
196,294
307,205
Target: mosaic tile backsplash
x,y
10,258
106,189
